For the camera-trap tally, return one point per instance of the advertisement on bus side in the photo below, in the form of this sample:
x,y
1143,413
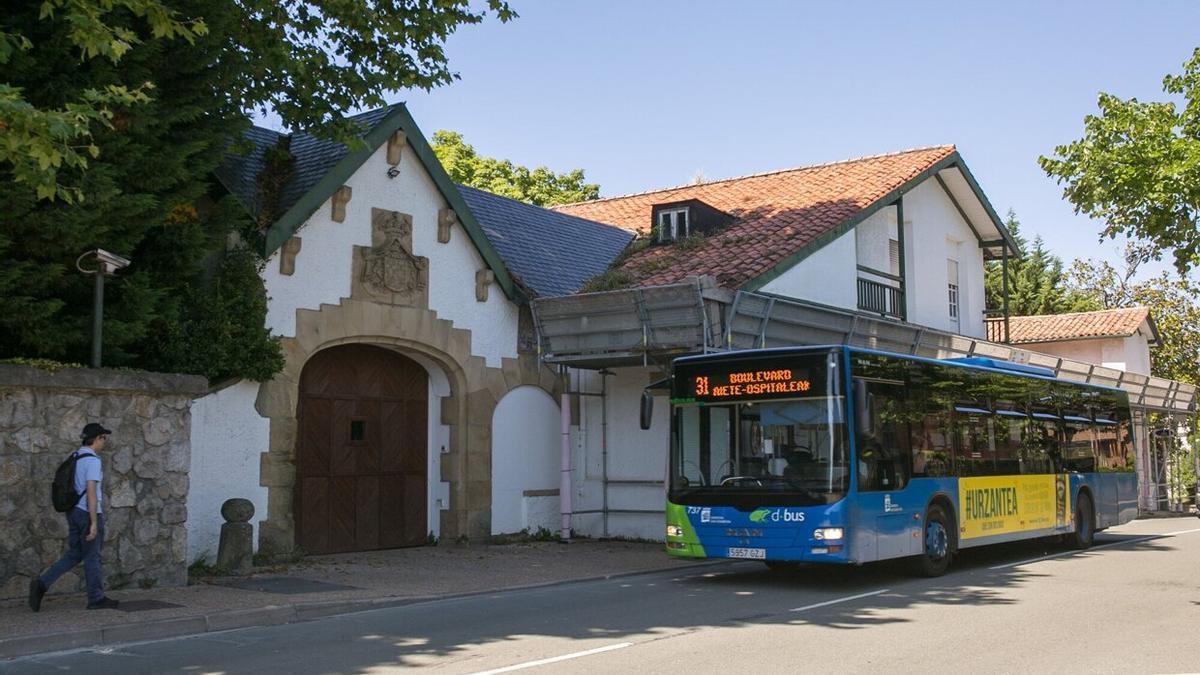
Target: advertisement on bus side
x,y
1006,504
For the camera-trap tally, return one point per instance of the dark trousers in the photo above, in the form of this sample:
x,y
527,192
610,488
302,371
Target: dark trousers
x,y
80,550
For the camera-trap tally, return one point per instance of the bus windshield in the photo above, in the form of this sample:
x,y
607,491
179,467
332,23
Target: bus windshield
x,y
788,450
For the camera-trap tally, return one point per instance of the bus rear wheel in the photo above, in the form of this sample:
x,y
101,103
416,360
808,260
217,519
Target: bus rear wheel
x,y
935,559
1085,523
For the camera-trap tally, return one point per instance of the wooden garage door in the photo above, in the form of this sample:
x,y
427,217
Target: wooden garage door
x,y
361,451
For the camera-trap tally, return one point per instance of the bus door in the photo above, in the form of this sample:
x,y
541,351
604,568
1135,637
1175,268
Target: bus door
x,y
886,419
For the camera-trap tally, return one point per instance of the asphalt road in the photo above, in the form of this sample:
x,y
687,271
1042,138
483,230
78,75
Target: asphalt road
x,y
1129,605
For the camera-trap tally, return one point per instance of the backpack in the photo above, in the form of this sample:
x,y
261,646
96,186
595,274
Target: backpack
x,y
62,490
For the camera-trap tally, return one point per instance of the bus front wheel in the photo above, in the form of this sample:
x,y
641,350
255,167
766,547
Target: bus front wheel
x,y
1085,522
935,559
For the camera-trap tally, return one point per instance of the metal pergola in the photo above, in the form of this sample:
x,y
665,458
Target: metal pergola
x,y
651,325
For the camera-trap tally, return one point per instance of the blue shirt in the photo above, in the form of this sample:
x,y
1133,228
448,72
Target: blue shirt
x,y
88,468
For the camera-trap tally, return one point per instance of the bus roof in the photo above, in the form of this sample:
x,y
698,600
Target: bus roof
x,y
972,363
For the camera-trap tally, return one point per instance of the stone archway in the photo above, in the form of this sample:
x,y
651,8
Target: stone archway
x,y
467,412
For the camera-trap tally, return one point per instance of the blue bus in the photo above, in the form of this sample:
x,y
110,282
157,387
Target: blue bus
x,y
844,455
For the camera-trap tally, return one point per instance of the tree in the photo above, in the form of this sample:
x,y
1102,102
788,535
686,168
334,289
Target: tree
x,y
39,141
175,81
308,62
1137,167
1173,299
149,195
1036,281
540,186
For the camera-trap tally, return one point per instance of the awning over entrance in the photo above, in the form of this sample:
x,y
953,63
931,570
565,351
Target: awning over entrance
x,y
652,325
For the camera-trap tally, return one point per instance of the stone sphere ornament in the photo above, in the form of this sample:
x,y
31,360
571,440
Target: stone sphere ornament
x,y
237,510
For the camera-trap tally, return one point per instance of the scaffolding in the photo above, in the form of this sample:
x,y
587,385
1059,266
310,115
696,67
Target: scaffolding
x,y
651,325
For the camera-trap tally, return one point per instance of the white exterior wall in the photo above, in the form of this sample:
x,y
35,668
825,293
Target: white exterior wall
x,y
227,437
633,455
933,232
437,498
1131,354
828,276
526,455
323,266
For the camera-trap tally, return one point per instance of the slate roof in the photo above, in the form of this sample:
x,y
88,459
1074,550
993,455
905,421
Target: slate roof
x,y
776,215
314,157
550,252
1109,323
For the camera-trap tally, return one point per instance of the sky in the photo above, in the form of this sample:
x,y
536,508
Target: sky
x,y
643,95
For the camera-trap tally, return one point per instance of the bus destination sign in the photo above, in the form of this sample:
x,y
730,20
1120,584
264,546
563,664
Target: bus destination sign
x,y
718,385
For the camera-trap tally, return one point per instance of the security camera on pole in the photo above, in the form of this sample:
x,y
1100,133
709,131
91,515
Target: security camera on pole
x,y
107,265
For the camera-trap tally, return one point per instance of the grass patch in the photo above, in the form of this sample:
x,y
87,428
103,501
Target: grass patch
x,y
201,569
47,365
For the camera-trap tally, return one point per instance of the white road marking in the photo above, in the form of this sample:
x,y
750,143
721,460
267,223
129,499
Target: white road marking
x,y
1093,548
834,602
556,659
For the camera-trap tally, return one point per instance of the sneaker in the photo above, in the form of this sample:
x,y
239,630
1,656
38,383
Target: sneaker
x,y
103,603
36,590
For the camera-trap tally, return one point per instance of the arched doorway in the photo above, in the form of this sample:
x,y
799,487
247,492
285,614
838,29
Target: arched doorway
x,y
361,451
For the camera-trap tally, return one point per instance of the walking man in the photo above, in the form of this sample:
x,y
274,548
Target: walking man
x,y
85,524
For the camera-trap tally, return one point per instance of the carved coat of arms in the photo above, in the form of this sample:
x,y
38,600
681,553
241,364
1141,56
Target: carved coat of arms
x,y
390,267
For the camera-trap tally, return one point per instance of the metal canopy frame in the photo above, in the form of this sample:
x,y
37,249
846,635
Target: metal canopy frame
x,y
651,325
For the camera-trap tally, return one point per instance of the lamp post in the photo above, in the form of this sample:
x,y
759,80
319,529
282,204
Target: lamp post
x,y
107,264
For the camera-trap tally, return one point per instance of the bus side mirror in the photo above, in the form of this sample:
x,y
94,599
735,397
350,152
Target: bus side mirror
x,y
647,409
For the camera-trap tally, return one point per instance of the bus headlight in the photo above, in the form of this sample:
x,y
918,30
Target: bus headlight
x,y
827,533
674,531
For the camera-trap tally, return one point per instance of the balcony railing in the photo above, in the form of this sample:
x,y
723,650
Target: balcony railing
x,y
880,298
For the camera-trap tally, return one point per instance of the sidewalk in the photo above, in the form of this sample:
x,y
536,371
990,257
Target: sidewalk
x,y
315,587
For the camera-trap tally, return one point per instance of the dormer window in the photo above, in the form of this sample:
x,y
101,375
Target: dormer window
x,y
673,224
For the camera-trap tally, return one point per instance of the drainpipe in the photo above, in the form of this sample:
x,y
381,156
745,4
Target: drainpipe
x,y
604,375
564,485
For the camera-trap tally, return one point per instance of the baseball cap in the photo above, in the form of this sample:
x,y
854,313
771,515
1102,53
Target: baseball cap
x,y
93,430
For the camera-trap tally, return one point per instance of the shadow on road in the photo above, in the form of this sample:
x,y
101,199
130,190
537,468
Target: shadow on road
x,y
722,596
451,633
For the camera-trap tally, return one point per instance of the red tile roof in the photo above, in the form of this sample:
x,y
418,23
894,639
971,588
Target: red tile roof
x,y
775,215
1076,326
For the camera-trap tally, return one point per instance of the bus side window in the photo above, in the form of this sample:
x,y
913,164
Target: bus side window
x,y
884,443
974,456
1079,453
1042,447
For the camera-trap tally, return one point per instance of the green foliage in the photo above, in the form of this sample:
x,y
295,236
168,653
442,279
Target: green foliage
x,y
690,242
40,140
540,186
1174,302
306,61
149,195
201,568
221,332
1137,167
42,364
1036,281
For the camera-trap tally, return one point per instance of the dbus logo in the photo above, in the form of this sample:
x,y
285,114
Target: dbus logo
x,y
776,516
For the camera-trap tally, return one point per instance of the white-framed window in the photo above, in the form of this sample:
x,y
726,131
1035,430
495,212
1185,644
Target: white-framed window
x,y
952,287
673,224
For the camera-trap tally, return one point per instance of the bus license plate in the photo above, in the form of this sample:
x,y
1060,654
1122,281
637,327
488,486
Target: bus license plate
x,y
753,553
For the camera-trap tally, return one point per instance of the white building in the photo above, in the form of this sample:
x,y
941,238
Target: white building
x,y
445,378
1112,338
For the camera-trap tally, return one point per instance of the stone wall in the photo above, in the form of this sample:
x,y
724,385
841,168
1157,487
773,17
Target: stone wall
x,y
146,465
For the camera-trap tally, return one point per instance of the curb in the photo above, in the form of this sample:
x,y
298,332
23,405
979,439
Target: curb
x,y
270,615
